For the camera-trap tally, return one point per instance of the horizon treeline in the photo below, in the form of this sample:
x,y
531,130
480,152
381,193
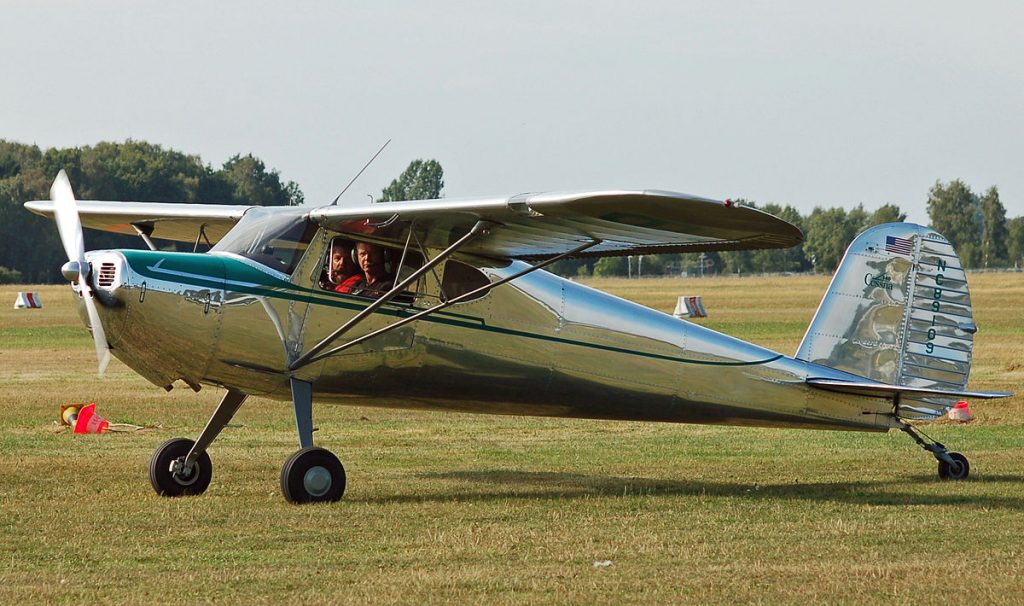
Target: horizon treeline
x,y
30,249
976,226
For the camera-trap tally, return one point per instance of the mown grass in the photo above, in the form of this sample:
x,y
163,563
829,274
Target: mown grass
x,y
43,336
479,509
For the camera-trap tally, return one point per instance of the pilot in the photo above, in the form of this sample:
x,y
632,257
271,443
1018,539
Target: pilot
x,y
344,273
378,280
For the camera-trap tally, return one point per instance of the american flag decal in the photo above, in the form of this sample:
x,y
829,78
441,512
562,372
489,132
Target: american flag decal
x,y
900,246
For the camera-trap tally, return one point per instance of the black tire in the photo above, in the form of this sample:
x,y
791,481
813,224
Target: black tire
x,y
167,484
960,471
312,475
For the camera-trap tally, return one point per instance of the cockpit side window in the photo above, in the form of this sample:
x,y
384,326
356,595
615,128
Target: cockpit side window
x,y
274,238
368,270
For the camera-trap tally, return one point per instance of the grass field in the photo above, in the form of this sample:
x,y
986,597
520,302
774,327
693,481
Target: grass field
x,y
478,509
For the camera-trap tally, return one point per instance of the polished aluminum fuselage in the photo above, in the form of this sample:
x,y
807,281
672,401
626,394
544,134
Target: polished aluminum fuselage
x,y
540,345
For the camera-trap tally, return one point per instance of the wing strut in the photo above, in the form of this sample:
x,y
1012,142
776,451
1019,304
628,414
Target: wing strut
x,y
144,233
480,227
311,357
201,236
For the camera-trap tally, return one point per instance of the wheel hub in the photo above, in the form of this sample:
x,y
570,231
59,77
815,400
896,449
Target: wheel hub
x,y
186,476
317,481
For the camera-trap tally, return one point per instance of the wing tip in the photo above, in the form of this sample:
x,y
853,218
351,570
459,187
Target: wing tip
x,y
40,207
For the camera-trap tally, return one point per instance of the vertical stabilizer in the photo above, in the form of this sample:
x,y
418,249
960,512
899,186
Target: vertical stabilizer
x,y
897,311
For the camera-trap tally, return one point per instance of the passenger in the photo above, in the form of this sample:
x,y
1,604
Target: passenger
x,y
344,273
378,280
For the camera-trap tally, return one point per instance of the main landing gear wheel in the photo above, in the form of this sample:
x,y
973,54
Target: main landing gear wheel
x,y
312,475
958,470
169,483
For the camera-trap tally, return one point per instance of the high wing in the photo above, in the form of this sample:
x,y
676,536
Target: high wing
x,y
528,226
167,221
540,226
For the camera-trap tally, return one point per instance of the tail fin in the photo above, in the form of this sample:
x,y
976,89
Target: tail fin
x,y
898,312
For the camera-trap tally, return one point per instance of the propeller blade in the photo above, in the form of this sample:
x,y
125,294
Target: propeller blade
x,y
99,337
69,225
65,211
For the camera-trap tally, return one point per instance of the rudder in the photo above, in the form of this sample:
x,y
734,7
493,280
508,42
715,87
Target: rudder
x,y
898,311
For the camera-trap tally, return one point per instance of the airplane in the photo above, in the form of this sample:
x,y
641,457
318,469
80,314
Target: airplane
x,y
469,320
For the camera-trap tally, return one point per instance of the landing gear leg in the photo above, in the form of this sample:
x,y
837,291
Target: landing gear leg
x,y
182,467
952,465
312,474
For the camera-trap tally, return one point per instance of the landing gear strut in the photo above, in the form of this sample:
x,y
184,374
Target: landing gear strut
x,y
952,465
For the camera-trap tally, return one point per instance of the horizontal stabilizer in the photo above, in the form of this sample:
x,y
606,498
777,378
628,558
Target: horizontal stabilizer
x,y
884,389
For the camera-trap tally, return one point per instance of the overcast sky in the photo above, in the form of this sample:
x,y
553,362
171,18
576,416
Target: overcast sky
x,y
806,103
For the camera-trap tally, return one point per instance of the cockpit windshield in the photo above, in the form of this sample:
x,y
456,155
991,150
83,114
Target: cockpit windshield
x,y
275,237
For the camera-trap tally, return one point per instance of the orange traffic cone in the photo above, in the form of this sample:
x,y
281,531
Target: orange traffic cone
x,y
960,412
90,422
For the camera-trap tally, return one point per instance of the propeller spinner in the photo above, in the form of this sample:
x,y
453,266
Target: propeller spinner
x,y
77,268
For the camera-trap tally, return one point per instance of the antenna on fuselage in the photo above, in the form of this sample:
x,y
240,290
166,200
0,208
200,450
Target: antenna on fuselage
x,y
335,203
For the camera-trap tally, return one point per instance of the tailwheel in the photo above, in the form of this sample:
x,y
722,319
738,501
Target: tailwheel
x,y
168,475
312,475
957,470
952,465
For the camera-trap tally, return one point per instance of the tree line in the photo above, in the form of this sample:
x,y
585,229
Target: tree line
x,y
30,250
976,226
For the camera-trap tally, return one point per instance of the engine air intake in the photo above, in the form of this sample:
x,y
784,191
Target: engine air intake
x,y
107,274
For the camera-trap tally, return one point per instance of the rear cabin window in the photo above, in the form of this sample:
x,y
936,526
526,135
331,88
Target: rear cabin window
x,y
460,279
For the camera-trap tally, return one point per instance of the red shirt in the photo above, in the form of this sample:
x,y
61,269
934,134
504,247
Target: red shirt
x,y
347,284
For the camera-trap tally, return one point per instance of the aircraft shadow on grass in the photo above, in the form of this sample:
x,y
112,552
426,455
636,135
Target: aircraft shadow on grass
x,y
555,485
